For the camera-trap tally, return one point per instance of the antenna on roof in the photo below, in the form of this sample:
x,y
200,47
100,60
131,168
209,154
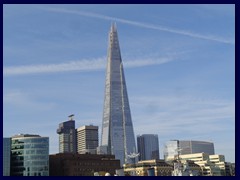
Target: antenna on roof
x,y
71,117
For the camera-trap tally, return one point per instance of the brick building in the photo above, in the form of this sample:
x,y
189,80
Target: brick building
x,y
70,164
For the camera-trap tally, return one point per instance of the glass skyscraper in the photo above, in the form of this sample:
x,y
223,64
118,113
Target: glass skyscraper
x,y
117,127
6,156
67,137
29,155
148,146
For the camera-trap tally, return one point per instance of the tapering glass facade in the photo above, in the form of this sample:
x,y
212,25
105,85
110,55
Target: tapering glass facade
x,y
29,155
117,127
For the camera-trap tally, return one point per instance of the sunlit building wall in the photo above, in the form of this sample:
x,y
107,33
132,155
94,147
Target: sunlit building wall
x,y
29,155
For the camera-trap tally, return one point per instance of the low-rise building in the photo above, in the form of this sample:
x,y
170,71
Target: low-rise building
x,y
219,161
186,168
72,164
228,169
161,168
202,159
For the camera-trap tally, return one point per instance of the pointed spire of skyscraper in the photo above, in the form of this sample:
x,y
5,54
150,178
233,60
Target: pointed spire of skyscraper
x,y
114,27
117,128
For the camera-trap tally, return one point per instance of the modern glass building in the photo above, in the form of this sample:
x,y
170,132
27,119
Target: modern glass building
x,y
87,139
171,150
148,146
117,127
67,136
29,155
181,147
6,156
191,147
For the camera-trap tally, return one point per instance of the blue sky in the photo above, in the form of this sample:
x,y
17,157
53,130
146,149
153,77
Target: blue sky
x,y
179,65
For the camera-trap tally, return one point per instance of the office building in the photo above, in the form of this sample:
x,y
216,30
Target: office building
x,y
6,156
71,164
191,147
230,169
102,150
219,161
87,139
148,146
171,150
208,168
67,136
29,155
174,148
117,126
233,167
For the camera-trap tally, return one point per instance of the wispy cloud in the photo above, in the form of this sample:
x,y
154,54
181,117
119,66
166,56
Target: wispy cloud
x,y
173,115
81,65
186,117
24,101
143,25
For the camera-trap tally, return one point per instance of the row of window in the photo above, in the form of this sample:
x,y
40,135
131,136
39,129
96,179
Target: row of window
x,y
20,152
95,164
30,146
41,168
35,140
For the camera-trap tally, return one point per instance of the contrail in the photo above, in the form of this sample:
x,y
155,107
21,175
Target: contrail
x,y
140,24
81,65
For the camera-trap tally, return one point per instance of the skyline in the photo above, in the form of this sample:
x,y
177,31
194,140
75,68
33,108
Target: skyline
x,y
178,61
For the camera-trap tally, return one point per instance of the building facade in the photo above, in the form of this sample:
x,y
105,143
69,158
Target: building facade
x,y
186,168
67,136
6,156
171,150
29,155
71,164
160,167
117,126
191,147
219,161
148,146
228,169
208,168
87,139
174,148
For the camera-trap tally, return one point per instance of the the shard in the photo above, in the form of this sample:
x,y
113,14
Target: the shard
x,y
117,127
